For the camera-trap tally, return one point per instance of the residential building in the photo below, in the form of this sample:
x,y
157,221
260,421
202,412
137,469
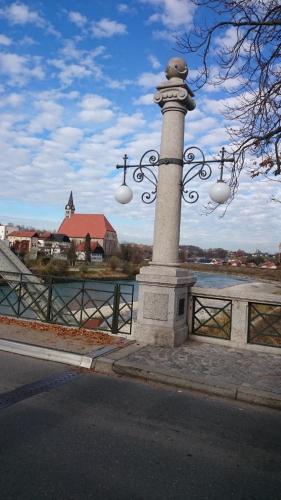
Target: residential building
x,y
24,241
97,252
6,229
53,244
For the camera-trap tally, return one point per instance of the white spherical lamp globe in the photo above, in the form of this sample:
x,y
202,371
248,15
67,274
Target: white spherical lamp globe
x,y
124,194
219,192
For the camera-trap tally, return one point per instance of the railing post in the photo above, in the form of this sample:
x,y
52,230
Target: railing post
x,y
19,296
131,308
82,304
49,300
190,312
116,303
239,322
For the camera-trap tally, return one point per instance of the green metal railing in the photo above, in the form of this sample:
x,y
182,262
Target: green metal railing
x,y
80,303
264,327
211,317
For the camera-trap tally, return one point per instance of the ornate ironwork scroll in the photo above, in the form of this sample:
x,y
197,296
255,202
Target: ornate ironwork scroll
x,y
194,165
143,172
197,165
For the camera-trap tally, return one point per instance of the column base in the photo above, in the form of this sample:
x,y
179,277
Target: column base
x,y
162,305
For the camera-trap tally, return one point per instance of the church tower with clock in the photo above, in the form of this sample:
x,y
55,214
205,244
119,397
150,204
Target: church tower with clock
x,y
69,207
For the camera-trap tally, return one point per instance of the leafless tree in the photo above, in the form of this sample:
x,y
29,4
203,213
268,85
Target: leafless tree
x,y
242,39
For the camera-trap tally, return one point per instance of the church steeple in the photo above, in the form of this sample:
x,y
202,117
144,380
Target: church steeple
x,y
69,207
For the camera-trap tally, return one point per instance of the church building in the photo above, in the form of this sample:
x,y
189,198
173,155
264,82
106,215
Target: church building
x,y
76,226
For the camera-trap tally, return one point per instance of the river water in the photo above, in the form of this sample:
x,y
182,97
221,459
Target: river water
x,y
217,280
95,293
205,280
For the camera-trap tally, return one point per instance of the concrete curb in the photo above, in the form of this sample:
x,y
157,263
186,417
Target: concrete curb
x,y
48,354
58,356
259,397
110,366
106,365
125,368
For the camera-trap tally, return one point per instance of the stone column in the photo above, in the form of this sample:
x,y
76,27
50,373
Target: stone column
x,y
163,286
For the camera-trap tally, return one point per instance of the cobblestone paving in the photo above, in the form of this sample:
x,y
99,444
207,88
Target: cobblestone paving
x,y
217,365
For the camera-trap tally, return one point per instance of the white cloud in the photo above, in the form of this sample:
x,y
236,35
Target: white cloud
x,y
95,109
218,106
12,64
231,84
13,100
154,61
125,125
216,137
20,13
172,13
48,117
27,141
117,84
77,18
228,39
76,63
124,8
202,125
70,51
106,28
27,40
4,40
73,71
148,80
69,72
68,136
20,69
144,100
166,35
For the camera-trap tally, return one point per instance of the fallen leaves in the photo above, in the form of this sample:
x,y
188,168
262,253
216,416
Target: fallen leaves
x,y
66,332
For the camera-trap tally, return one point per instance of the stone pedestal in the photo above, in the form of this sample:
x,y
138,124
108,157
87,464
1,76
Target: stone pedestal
x,y
162,305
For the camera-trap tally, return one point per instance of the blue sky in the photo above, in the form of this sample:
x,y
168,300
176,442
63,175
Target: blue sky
x,y
76,84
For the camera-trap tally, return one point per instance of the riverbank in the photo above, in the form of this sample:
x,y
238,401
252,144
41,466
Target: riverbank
x,y
250,272
104,272
89,272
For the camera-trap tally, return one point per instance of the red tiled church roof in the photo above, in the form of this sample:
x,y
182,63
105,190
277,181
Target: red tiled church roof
x,y
78,225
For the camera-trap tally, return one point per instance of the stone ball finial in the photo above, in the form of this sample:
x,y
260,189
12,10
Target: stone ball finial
x,y
176,68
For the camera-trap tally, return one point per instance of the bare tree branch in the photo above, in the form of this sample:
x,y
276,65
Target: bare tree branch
x,y
252,56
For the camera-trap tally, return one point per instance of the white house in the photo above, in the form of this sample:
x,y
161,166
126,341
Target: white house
x,y
5,230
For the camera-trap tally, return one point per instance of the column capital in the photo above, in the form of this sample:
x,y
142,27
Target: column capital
x,y
168,92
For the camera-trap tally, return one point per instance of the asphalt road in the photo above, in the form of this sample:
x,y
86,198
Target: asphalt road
x,y
95,437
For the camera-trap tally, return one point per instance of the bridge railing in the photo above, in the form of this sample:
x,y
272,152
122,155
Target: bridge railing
x,y
79,303
250,320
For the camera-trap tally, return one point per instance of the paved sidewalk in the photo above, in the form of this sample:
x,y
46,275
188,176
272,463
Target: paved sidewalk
x,y
77,347
236,374
55,337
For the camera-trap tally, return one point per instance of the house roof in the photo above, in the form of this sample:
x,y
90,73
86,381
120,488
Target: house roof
x,y
44,235
78,225
24,234
95,247
60,238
